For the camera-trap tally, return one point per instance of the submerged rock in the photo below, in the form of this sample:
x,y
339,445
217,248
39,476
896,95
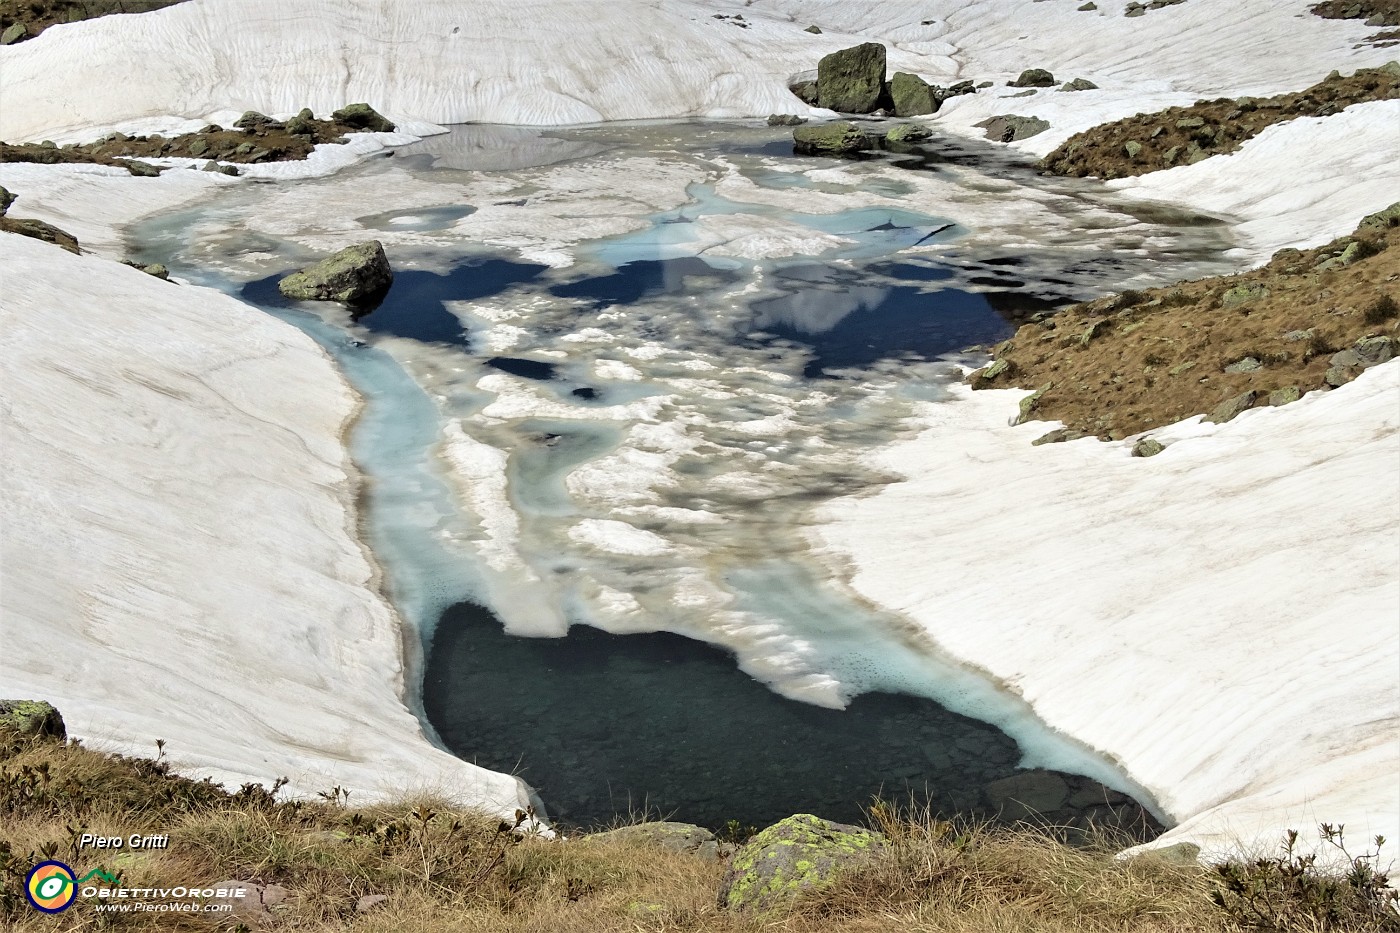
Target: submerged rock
x,y
363,117
801,853
912,95
831,139
32,718
852,80
355,273
1028,794
908,133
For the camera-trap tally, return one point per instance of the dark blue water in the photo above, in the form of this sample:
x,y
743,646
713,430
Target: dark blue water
x,y
603,725
645,278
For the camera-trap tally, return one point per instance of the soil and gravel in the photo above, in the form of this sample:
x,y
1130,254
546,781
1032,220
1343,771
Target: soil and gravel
x,y
25,19
1117,366
1150,142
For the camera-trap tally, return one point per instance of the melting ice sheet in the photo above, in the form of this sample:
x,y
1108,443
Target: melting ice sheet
x,y
621,366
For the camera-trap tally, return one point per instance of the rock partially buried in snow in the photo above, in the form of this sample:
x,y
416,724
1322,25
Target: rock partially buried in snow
x,y
801,853
831,139
363,117
1033,77
851,80
912,95
355,273
1079,84
1008,128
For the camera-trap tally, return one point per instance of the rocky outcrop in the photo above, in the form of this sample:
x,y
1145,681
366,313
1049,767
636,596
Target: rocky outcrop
x,y
912,96
799,854
1374,12
852,80
31,718
355,274
363,117
832,139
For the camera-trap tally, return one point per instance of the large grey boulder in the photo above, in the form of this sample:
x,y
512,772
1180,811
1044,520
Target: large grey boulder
x,y
799,854
363,117
831,139
851,80
912,95
1034,77
31,718
355,273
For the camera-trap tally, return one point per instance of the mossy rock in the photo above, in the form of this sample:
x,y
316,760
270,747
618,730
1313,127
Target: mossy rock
x,y
363,117
912,95
805,91
799,854
831,139
851,80
32,718
356,273
908,133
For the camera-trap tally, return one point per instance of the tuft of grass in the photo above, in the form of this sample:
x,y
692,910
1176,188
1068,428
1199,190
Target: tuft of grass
x,y
1380,311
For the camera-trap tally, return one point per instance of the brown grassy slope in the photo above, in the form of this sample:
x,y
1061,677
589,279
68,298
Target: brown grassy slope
x,y
1120,365
446,869
38,15
1149,142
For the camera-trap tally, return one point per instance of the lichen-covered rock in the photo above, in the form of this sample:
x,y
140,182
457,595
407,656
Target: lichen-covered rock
x,y
13,34
1383,219
363,117
1034,77
6,199
1285,396
685,838
831,139
32,718
158,270
355,273
1242,294
785,119
1374,350
1007,128
1029,404
907,133
851,80
912,95
801,853
1148,447
1079,84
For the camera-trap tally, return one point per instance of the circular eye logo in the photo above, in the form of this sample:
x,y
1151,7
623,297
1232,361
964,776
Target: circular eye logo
x,y
51,887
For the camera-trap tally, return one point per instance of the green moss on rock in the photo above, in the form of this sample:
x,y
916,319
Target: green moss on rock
x,y
801,853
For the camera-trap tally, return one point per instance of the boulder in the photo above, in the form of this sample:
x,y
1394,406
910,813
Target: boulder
x,y
363,117
142,169
1241,294
912,95
1087,7
39,230
1284,396
251,119
1248,364
1373,350
851,80
355,273
805,91
1028,793
6,199
1007,128
814,30
14,33
1029,404
831,139
785,119
1058,436
1079,84
32,718
1383,219
158,270
801,853
907,133
1148,447
1033,77
685,838
1231,407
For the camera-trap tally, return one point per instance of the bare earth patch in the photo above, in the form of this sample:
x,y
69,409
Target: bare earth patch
x,y
25,19
1150,142
1121,365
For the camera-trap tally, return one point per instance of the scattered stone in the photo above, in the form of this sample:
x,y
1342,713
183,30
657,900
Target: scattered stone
x,y
1297,336
142,169
1148,447
223,169
785,119
1087,7
907,133
1284,396
363,117
984,376
800,853
355,273
1079,84
1033,77
1374,350
32,718
1247,365
851,80
1008,128
13,34
685,838
1028,794
805,91
370,901
158,270
1231,407
983,84
1058,436
1182,368
913,96
1029,403
814,30
198,147
1133,148
6,199
831,139
1242,294
1031,92
251,119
